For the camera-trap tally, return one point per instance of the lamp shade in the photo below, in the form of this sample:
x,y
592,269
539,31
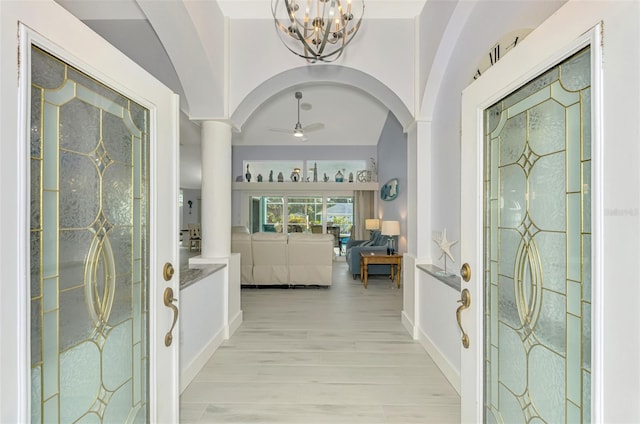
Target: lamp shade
x,y
372,224
390,228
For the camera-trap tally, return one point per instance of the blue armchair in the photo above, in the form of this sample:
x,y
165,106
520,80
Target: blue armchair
x,y
377,243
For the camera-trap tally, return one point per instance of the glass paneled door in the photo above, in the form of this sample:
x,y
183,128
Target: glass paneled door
x,y
526,212
537,330
97,324
89,243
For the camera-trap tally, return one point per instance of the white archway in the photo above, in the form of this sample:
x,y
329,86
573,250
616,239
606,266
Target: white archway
x,y
330,74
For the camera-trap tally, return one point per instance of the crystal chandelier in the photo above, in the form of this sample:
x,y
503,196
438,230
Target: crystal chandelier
x,y
317,30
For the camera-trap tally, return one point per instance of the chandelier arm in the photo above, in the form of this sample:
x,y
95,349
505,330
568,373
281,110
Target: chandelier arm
x,y
301,39
295,25
326,31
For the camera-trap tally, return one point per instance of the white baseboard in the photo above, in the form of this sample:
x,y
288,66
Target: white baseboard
x,y
234,324
450,373
408,324
190,371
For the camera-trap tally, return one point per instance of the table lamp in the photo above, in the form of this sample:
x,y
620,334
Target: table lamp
x,y
371,224
391,229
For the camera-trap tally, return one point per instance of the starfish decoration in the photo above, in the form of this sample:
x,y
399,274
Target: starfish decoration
x,y
444,245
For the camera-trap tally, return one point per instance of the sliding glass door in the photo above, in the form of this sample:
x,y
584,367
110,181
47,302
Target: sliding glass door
x,y
302,214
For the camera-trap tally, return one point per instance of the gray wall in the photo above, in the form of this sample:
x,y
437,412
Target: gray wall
x,y
392,159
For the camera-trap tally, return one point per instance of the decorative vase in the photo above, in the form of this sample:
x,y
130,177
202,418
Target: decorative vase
x,y
339,177
248,174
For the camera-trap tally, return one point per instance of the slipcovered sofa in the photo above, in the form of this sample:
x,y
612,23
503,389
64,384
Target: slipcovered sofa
x,y
377,243
280,259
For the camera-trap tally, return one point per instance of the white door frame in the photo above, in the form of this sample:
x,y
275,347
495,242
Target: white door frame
x,y
514,70
80,46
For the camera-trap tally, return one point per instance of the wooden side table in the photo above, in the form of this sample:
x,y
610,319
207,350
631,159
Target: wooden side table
x,y
370,258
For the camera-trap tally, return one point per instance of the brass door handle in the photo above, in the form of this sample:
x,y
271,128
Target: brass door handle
x,y
465,299
168,302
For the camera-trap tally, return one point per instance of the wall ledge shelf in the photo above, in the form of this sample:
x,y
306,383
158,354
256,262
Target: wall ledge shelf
x,y
450,280
303,186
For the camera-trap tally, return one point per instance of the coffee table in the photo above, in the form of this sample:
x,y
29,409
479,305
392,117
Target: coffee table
x,y
370,258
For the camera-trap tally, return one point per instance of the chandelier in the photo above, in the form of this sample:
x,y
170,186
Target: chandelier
x,y
317,30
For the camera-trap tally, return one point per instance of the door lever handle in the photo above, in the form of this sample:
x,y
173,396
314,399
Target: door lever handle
x,y
168,302
465,301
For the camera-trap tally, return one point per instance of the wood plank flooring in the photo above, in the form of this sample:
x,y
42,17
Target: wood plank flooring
x,y
321,355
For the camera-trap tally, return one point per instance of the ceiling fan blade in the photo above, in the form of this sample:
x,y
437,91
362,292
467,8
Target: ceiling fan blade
x,y
313,127
283,130
304,138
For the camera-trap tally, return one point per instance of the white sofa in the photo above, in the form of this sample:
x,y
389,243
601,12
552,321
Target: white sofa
x,y
278,259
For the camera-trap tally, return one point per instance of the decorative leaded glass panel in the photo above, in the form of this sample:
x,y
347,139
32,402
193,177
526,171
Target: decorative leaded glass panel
x,y
538,247
89,208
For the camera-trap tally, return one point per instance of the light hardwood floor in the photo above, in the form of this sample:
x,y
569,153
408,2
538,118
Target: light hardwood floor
x,y
318,355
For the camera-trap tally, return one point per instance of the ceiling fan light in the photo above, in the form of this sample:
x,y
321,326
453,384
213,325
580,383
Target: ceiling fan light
x,y
298,132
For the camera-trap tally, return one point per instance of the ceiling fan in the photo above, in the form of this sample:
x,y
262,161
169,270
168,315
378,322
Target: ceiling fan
x,y
299,131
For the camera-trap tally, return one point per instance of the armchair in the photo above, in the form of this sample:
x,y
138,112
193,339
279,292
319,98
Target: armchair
x,y
377,243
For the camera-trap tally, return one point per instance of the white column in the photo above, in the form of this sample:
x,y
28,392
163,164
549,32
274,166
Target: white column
x,y
216,189
424,181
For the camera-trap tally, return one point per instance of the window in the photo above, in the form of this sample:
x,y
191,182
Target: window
x,y
305,214
273,214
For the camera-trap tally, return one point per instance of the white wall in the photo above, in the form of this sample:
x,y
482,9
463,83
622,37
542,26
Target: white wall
x,y
376,39
202,324
437,323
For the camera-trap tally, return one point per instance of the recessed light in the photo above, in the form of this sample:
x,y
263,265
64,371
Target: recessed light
x,y
305,106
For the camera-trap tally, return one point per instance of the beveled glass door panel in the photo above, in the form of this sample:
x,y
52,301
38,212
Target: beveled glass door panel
x,y
538,249
89,249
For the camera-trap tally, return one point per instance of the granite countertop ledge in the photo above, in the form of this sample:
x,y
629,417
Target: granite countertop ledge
x,y
450,279
191,274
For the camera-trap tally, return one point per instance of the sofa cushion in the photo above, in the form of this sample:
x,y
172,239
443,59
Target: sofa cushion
x,y
270,263
310,258
378,239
